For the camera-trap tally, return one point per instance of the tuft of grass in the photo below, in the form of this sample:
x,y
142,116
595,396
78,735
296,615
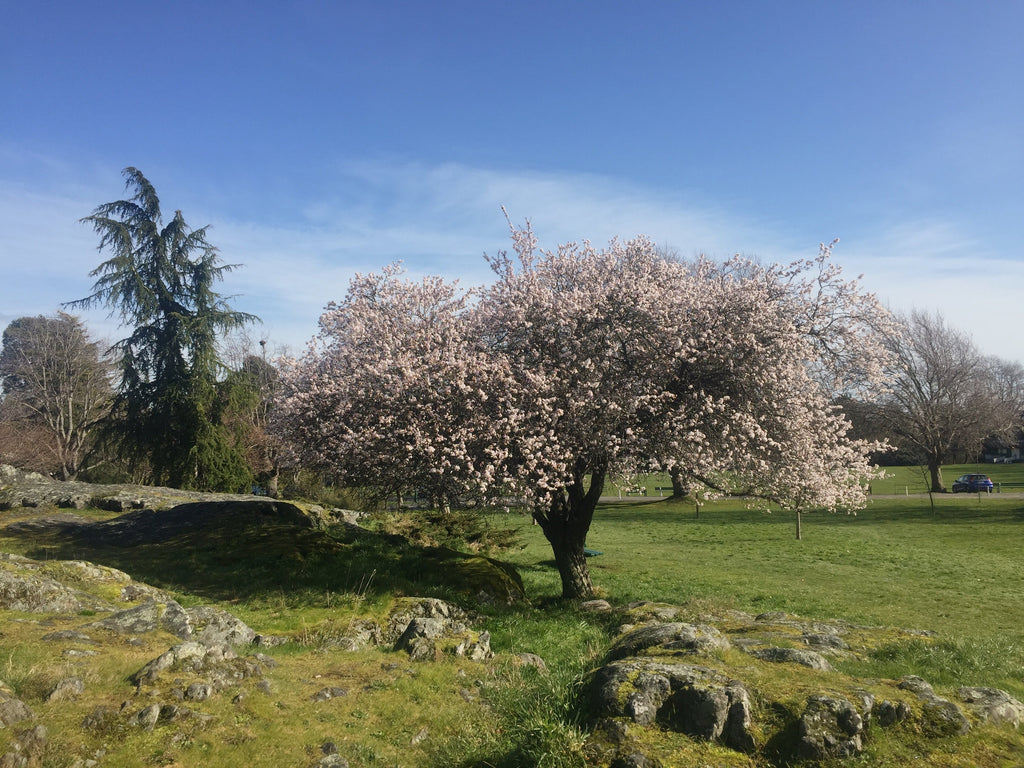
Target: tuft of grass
x,y
953,661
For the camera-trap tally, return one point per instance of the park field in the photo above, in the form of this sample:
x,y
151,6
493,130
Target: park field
x,y
897,480
956,571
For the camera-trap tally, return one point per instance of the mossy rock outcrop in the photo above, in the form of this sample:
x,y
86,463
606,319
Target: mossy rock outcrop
x,y
761,686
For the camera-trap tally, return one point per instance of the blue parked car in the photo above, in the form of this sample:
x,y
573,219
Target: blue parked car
x,y
972,484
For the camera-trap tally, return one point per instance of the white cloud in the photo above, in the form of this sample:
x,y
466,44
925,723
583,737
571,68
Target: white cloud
x,y
441,219
936,266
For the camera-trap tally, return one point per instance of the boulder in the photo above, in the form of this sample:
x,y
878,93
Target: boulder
x,y
406,609
939,717
23,589
686,638
213,627
685,698
992,705
148,617
189,656
887,713
68,688
804,658
830,727
12,709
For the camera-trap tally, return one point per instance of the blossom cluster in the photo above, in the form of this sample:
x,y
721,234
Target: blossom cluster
x,y
584,361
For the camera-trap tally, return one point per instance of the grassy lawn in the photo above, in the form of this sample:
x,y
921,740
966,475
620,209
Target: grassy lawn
x,y
957,572
913,479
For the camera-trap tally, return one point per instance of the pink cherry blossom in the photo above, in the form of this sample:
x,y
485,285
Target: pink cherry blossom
x,y
580,363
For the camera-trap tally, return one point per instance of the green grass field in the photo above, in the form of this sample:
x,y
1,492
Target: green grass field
x,y
957,571
913,480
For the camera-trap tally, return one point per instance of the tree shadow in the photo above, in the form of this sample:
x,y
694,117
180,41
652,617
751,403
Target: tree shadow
x,y
262,560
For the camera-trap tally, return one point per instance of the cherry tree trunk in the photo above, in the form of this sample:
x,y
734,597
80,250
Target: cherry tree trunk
x,y
571,560
678,490
565,525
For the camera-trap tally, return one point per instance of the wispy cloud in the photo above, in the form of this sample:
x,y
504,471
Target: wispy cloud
x,y
441,219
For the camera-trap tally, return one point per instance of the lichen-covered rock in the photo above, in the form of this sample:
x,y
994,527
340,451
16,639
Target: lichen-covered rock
x,y
12,709
27,749
85,571
887,713
686,638
685,698
407,609
803,657
149,617
993,705
66,689
825,641
136,592
830,727
360,633
476,649
939,717
189,656
22,588
213,626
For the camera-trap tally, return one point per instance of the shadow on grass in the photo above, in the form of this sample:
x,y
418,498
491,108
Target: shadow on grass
x,y
267,561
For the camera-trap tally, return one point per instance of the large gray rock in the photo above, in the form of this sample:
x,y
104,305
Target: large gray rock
x,y
685,698
801,656
189,657
213,626
12,709
993,705
830,727
30,489
23,588
406,609
148,617
939,717
687,638
206,625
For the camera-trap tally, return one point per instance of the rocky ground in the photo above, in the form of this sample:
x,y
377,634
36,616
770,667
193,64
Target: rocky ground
x,y
97,660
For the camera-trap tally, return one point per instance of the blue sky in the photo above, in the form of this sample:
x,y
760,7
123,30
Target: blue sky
x,y
323,138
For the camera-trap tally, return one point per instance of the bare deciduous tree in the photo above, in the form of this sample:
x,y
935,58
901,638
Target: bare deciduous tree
x,y
57,388
945,395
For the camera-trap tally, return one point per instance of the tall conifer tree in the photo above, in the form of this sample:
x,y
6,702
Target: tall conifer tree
x,y
159,280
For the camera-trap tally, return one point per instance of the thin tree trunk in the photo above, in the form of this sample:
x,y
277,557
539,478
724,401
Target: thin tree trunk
x,y
935,472
678,490
799,531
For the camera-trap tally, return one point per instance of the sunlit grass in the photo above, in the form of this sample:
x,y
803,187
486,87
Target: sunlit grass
x,y
957,570
954,570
